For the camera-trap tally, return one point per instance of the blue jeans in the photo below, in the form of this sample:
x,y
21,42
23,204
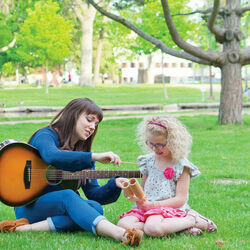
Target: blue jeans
x,y
64,210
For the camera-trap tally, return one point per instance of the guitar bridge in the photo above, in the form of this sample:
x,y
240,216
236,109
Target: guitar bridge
x,y
27,174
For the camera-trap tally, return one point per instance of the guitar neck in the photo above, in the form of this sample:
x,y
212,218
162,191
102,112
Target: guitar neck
x,y
100,174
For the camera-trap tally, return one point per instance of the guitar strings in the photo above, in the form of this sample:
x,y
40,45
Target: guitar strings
x,y
57,174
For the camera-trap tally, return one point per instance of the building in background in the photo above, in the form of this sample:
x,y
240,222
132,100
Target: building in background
x,y
158,67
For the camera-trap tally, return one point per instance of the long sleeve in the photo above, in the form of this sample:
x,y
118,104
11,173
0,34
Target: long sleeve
x,y
47,143
105,194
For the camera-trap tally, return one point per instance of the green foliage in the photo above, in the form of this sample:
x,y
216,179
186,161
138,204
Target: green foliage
x,y
8,69
45,35
153,23
148,16
5,34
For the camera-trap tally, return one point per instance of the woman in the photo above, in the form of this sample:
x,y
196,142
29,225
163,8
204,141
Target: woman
x,y
66,145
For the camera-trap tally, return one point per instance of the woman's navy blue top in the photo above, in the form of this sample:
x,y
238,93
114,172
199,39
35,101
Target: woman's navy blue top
x,y
47,142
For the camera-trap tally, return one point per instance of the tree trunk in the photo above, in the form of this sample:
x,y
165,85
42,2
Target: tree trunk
x,y
87,45
231,87
231,94
98,57
47,80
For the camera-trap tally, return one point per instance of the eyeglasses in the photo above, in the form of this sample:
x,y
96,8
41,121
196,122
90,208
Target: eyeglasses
x,y
156,146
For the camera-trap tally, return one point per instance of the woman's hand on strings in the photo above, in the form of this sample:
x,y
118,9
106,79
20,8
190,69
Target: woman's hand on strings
x,y
107,157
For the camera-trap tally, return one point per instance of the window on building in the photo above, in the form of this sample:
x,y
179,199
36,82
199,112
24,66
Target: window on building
x,y
132,65
174,65
124,65
165,65
157,65
131,79
190,65
182,65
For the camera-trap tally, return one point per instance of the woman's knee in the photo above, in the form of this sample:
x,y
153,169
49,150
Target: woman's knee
x,y
96,205
68,197
66,194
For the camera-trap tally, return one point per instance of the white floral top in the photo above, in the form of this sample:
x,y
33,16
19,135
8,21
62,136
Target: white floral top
x,y
157,187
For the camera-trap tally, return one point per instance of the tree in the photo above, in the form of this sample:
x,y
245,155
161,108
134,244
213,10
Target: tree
x,y
108,46
12,14
45,36
86,15
230,60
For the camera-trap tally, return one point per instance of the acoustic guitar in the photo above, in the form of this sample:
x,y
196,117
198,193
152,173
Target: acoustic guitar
x,y
24,175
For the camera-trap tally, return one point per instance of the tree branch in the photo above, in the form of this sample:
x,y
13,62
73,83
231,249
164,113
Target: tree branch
x,y
212,57
217,31
242,10
245,56
221,11
11,44
159,44
77,11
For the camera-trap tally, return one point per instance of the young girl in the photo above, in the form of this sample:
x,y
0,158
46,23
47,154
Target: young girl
x,y
166,176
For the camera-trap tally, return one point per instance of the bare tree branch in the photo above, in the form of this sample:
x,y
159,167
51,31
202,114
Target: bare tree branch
x,y
221,12
218,32
242,10
211,56
194,12
245,56
11,44
159,44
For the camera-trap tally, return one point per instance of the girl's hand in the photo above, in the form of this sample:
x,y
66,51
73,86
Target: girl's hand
x,y
144,205
119,181
107,157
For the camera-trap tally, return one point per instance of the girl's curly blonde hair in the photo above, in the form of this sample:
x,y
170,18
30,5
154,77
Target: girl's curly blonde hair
x,y
179,141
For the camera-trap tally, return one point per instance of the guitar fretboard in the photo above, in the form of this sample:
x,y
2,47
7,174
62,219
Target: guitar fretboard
x,y
93,174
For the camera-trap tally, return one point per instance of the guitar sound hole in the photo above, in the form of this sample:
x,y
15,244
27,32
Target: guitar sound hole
x,y
53,176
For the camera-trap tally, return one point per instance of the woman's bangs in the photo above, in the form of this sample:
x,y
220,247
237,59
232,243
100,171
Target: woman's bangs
x,y
94,109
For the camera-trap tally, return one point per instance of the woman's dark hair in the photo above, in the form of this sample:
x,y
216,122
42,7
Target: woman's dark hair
x,y
64,123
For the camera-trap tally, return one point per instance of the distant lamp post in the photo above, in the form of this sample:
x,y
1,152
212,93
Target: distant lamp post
x,y
163,78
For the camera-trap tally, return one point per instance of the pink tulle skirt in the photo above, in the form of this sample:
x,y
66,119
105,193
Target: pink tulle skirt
x,y
166,212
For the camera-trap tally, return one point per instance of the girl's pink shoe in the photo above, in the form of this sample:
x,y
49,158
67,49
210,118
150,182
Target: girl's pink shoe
x,y
211,227
193,231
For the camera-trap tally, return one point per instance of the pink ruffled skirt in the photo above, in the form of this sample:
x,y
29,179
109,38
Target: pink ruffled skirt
x,y
165,212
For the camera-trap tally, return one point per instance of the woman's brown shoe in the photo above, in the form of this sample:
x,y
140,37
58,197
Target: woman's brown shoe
x,y
11,225
133,236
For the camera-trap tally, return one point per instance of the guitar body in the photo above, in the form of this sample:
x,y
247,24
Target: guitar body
x,y
13,159
24,175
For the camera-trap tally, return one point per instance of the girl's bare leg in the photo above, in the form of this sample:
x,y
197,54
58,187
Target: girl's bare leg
x,y
157,226
130,222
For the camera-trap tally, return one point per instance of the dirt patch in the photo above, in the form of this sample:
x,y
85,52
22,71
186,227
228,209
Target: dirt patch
x,y
230,181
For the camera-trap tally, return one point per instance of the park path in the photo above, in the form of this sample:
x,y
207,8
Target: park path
x,y
245,111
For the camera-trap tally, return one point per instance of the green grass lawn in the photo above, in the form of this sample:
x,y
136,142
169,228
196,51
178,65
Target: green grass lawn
x,y
102,95
220,152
